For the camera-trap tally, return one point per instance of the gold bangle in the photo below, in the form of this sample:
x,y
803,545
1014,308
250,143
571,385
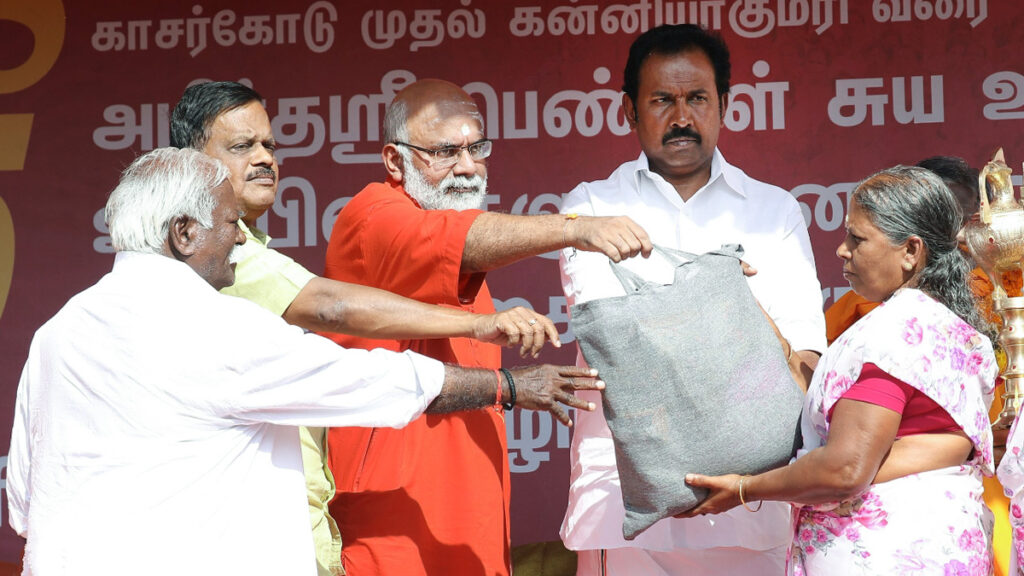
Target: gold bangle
x,y
789,356
742,501
568,217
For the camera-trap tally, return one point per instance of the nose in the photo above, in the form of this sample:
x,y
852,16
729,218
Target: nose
x,y
842,251
465,166
239,236
262,156
681,116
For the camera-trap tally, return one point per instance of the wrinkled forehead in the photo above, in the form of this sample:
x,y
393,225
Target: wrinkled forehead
x,y
446,119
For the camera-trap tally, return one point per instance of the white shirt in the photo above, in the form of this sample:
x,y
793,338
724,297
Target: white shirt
x,y
731,208
155,427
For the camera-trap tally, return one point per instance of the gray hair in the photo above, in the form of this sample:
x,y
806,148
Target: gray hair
x,y
157,188
395,117
906,201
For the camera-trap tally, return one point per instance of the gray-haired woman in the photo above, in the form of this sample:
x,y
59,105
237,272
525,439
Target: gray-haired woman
x,y
895,424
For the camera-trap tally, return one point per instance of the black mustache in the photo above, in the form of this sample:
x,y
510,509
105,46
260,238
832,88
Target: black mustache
x,y
686,132
261,172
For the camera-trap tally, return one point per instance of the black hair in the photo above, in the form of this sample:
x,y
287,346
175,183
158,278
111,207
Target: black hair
x,y
952,170
199,107
674,39
961,178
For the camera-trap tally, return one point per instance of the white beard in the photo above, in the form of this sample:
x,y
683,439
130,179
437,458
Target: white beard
x,y
443,196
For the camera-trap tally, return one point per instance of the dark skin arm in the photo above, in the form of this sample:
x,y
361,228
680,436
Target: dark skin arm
x,y
329,306
495,240
802,365
801,362
542,387
920,452
860,436
862,449
999,436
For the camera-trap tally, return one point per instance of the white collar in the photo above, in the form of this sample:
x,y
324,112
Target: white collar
x,y
158,268
722,172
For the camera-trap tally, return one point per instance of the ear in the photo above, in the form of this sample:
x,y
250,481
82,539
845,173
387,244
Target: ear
x,y
393,162
723,103
630,109
182,237
916,253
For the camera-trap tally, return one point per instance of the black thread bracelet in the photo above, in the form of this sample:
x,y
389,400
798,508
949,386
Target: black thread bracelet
x,y
511,390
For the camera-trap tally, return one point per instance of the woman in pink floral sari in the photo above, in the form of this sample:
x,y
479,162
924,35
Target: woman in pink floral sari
x,y
895,423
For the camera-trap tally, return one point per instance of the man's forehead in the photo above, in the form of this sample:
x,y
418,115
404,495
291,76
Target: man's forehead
x,y
443,123
248,119
665,70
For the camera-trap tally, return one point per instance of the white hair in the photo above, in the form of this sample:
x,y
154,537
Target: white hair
x,y
157,188
395,129
441,196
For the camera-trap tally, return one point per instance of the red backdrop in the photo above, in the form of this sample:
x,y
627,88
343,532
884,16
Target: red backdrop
x,y
824,93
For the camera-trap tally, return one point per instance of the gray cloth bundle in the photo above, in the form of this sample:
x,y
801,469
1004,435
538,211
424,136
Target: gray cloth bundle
x,y
697,382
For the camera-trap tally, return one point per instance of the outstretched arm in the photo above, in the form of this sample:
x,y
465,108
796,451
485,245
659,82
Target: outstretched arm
x,y
860,437
330,306
542,387
495,240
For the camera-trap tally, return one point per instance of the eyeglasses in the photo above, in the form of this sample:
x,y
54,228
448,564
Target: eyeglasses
x,y
448,156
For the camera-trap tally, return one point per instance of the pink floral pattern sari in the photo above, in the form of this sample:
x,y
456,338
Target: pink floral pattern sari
x,y
1011,475
929,523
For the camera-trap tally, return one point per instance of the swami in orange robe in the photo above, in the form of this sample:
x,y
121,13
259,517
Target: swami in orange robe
x,y
431,498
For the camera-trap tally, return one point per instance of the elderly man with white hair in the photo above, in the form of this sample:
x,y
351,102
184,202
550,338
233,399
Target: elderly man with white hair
x,y
148,422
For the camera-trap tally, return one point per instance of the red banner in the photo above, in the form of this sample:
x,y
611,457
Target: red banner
x,y
824,93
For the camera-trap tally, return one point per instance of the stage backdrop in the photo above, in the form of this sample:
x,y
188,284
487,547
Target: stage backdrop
x,y
824,93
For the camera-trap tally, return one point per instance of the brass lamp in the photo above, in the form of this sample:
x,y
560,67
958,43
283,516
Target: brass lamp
x,y
996,241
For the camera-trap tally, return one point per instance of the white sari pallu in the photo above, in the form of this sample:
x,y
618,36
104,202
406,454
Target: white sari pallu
x,y
933,523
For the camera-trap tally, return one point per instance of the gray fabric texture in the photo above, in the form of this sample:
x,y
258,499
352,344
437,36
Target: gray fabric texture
x,y
696,382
